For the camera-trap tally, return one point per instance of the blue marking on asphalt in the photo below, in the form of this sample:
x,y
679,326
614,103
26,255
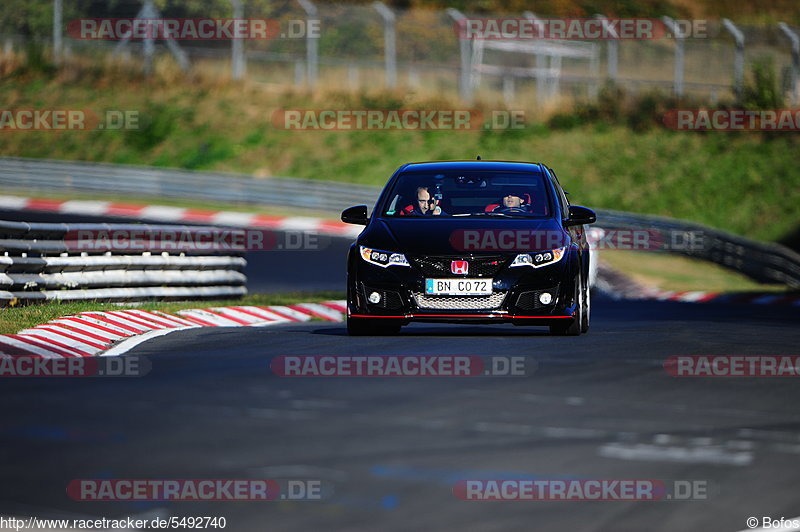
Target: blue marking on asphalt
x,y
390,502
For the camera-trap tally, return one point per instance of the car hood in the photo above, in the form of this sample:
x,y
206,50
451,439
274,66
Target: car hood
x,y
458,236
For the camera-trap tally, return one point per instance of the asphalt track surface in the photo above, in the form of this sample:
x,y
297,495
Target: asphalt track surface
x,y
598,406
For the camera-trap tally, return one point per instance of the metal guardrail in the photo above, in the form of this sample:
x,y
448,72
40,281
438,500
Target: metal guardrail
x,y
38,261
763,262
43,174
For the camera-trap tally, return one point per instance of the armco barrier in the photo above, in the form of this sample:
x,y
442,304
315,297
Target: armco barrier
x,y
62,176
37,263
763,262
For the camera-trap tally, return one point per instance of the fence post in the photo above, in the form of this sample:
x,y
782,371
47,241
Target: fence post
x,y
238,64
149,11
594,69
389,43
612,49
179,54
738,65
508,91
678,75
795,58
312,45
541,97
58,41
465,83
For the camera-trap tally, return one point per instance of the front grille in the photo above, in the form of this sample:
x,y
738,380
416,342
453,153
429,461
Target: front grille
x,y
530,300
460,302
390,300
483,266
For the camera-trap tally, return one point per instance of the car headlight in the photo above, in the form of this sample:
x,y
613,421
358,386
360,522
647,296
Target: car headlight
x,y
542,258
384,259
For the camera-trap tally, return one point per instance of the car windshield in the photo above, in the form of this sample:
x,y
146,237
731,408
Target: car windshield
x,y
468,194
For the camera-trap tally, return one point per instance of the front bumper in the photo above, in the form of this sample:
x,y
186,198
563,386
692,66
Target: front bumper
x,y
515,298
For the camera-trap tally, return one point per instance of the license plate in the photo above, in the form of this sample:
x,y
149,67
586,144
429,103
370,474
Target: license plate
x,y
459,287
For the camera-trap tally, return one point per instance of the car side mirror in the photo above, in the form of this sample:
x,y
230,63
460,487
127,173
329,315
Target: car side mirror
x,y
580,215
355,215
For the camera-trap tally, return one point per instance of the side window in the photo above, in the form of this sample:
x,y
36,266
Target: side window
x,y
562,198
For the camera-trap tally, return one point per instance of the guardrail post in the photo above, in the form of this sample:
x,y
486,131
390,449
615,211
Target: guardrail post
x,y
413,78
612,49
465,83
312,45
738,64
238,64
678,75
352,77
795,59
389,43
58,41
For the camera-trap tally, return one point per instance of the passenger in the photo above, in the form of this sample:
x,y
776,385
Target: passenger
x,y
513,202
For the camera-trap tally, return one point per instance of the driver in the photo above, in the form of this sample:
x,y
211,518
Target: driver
x,y
425,205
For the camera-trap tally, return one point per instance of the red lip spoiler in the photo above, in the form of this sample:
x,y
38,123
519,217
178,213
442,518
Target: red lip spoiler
x,y
481,316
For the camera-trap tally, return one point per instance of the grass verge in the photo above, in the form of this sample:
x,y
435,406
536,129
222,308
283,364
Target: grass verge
x,y
747,183
674,272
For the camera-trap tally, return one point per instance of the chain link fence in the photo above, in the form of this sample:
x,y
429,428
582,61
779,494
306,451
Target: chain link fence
x,y
355,47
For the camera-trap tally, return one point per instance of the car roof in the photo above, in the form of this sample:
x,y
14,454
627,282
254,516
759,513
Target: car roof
x,y
472,165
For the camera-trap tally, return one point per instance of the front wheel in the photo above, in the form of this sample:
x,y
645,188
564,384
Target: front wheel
x,y
581,322
587,310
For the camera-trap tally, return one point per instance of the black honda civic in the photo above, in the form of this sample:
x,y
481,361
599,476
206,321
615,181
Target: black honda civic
x,y
469,242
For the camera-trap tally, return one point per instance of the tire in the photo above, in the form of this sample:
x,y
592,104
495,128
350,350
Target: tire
x,y
372,326
580,323
587,310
